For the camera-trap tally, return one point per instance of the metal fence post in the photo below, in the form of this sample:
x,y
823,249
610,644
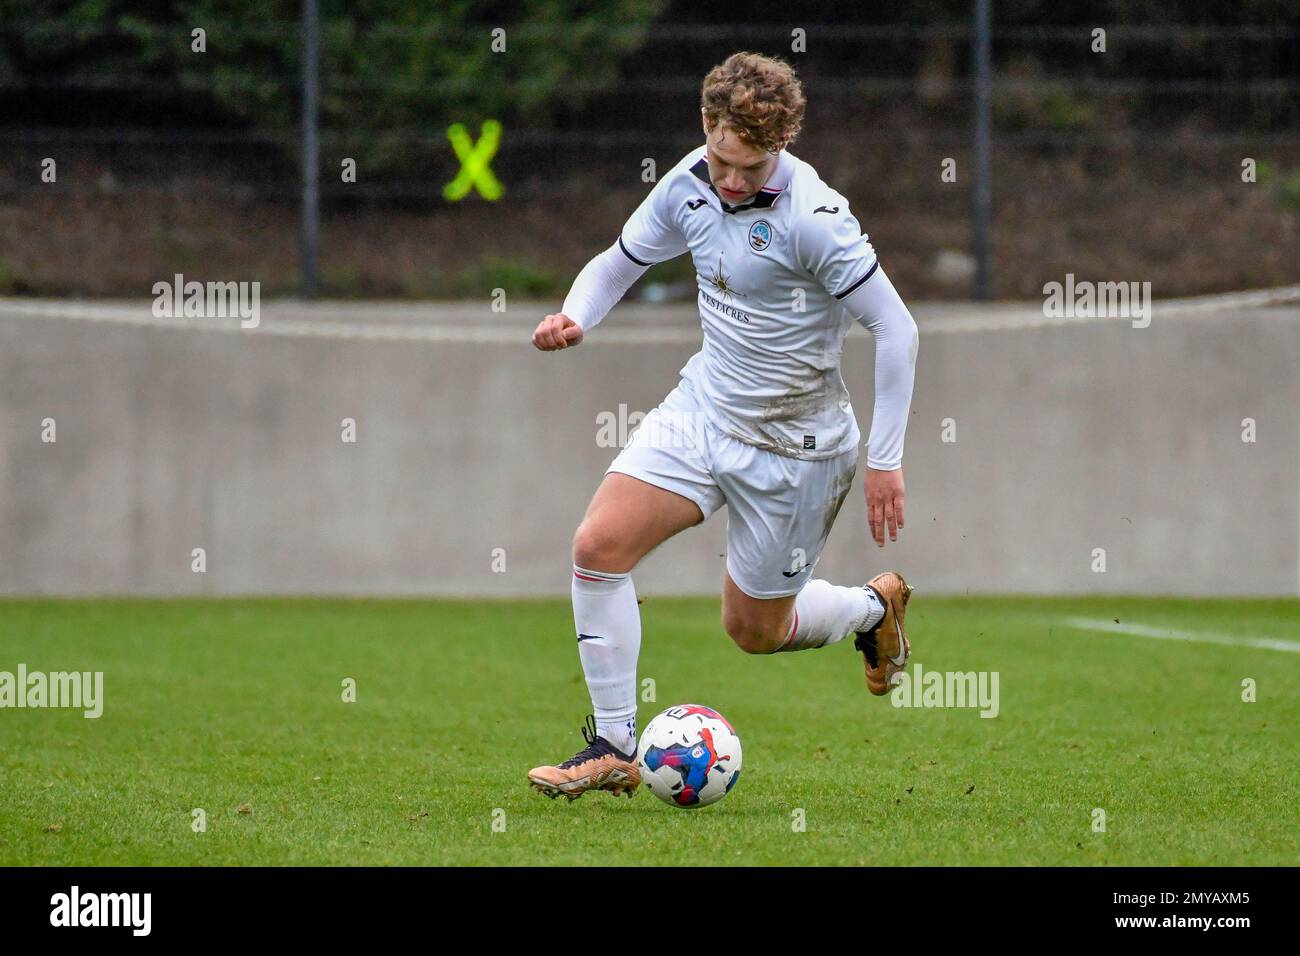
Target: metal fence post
x,y
310,147
981,199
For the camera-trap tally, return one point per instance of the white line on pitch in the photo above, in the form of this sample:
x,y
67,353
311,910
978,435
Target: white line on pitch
x,y
1169,634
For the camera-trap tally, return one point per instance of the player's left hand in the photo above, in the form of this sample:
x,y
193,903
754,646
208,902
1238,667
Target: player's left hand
x,y
884,503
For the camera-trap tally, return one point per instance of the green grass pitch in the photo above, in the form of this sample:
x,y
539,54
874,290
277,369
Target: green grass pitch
x,y
223,705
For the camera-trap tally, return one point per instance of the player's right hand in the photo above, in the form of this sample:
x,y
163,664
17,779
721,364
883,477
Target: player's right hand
x,y
557,332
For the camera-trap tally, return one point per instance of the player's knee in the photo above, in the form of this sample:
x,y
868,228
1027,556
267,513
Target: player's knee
x,y
749,635
597,548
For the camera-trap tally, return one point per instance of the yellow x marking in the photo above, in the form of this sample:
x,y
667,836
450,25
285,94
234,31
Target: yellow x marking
x,y
474,157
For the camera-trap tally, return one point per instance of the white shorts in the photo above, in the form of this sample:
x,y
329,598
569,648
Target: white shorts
x,y
779,509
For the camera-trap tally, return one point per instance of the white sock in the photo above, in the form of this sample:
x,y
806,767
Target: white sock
x,y
608,623
825,613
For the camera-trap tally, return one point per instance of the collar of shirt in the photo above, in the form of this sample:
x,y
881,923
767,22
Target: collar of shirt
x,y
771,191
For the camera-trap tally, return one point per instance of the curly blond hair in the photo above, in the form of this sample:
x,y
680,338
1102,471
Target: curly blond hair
x,y
757,95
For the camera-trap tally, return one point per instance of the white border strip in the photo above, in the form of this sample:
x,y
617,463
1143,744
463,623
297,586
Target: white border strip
x,y
975,318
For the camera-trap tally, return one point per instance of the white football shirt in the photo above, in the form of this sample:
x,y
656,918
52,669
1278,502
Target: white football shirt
x,y
770,273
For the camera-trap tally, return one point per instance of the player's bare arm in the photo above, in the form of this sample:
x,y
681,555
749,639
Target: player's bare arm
x,y
877,306
601,283
884,491
557,331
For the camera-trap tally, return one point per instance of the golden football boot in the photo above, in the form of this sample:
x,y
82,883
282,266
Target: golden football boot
x,y
597,766
885,648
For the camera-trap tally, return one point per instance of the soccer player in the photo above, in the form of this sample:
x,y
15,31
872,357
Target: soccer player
x,y
761,420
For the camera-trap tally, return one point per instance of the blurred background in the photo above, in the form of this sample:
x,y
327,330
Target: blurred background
x,y
1164,150
172,158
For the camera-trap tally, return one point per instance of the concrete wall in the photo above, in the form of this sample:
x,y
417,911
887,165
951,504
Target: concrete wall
x,y
1070,437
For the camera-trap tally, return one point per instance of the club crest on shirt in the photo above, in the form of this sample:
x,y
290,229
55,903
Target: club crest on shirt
x,y
760,235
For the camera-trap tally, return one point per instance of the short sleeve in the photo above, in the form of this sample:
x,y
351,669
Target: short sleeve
x,y
651,234
832,246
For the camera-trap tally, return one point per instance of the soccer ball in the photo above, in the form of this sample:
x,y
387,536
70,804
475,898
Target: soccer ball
x,y
689,756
